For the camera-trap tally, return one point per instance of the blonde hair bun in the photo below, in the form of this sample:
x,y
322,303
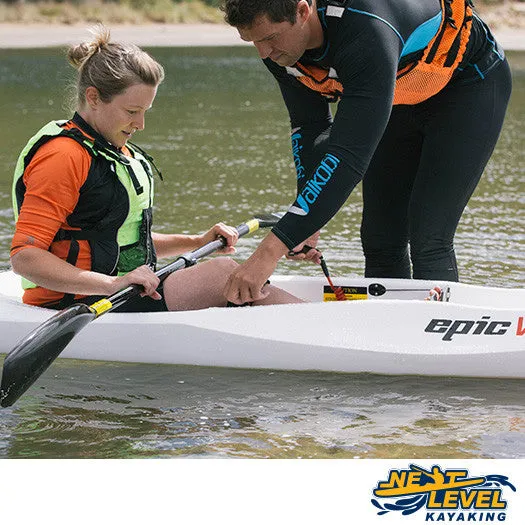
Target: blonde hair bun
x,y
79,54
111,67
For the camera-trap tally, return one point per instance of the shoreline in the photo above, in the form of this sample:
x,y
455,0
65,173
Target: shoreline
x,y
18,36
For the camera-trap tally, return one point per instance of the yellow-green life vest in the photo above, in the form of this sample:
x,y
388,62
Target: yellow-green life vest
x,y
114,210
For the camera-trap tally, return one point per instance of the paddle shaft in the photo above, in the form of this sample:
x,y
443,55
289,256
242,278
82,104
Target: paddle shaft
x,y
35,353
183,261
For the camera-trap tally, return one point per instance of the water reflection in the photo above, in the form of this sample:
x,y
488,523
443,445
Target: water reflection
x,y
102,410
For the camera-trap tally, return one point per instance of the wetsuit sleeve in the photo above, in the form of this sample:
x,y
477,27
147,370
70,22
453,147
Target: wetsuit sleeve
x,y
310,121
366,63
53,181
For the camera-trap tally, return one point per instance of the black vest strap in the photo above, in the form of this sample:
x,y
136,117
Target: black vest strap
x,y
84,235
136,184
72,257
149,158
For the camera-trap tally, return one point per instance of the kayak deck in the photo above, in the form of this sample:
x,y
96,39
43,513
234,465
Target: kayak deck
x,y
478,332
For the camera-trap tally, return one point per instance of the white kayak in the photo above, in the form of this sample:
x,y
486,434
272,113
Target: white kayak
x,y
389,328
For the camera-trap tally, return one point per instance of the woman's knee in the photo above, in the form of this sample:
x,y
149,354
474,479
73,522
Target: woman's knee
x,y
224,264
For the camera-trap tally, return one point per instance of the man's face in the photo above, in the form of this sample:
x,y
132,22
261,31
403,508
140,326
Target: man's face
x,y
282,42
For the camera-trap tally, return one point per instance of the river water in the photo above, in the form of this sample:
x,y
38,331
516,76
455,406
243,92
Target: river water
x,y
219,132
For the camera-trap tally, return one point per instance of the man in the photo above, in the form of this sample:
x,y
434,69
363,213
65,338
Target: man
x,y
422,89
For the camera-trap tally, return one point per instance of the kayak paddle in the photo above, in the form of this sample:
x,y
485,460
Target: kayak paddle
x,y
34,354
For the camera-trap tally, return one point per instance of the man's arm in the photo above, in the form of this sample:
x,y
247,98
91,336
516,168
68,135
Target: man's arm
x,y
367,66
310,122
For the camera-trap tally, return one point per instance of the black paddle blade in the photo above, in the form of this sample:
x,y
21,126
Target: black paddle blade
x,y
32,356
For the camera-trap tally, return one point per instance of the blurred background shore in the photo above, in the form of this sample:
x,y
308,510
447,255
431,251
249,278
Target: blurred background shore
x,y
34,23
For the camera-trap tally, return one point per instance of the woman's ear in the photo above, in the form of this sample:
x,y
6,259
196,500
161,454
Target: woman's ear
x,y
92,97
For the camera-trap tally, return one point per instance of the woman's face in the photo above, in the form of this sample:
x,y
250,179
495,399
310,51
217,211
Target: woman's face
x,y
118,119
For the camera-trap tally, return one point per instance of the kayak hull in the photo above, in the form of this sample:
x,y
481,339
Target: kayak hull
x,y
479,332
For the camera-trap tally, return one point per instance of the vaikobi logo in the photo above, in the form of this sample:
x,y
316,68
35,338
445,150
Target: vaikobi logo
x,y
446,495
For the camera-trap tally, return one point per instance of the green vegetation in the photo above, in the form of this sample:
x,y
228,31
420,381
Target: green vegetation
x,y
110,11
496,12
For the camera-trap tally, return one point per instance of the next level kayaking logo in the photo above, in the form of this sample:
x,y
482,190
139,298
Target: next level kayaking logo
x,y
445,495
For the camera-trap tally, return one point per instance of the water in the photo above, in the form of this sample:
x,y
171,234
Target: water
x,y
219,132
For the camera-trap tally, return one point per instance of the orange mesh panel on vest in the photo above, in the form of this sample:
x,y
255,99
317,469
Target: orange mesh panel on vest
x,y
329,87
432,73
417,81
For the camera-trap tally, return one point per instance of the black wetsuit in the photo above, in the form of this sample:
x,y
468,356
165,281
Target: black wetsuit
x,y
419,163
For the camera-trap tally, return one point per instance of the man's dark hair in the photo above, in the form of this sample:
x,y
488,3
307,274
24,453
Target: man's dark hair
x,y
242,13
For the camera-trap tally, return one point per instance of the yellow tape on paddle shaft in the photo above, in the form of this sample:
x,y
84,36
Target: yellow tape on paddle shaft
x,y
253,225
101,306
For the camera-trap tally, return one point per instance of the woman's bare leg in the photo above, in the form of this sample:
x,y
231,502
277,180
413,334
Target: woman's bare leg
x,y
277,296
202,286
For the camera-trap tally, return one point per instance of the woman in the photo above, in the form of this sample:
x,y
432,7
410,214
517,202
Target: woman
x,y
83,196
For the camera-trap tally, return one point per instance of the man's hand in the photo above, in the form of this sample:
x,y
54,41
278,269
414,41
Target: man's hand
x,y
246,283
306,251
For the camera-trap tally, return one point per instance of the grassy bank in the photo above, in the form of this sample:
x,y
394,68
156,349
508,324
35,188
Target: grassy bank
x,y
498,13
110,12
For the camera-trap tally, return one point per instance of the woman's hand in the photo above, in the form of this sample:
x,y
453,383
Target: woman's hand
x,y
144,276
221,230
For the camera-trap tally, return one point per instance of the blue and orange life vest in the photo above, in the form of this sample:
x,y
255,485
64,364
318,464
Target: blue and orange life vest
x,y
420,78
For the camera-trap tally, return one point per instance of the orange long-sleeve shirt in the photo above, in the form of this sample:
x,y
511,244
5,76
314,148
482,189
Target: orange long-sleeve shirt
x,y
53,180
